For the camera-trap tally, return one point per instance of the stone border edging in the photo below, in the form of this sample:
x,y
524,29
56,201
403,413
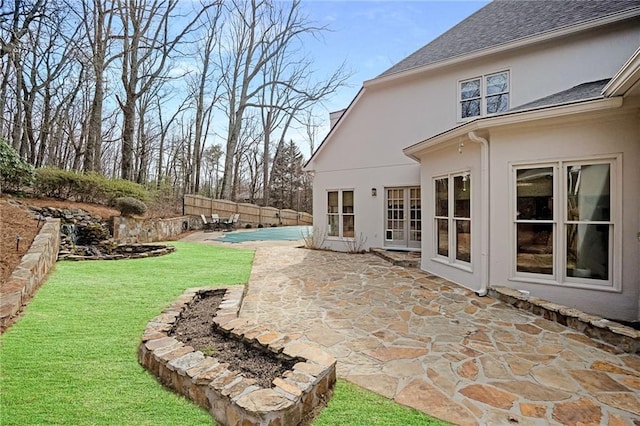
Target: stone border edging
x,y
31,272
160,250
625,338
230,398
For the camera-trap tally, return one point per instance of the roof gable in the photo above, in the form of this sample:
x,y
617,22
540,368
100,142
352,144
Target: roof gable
x,y
504,21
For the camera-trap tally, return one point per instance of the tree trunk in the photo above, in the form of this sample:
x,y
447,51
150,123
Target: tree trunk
x,y
128,132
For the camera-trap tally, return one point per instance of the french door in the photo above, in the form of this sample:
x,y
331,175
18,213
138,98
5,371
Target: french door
x,y
403,224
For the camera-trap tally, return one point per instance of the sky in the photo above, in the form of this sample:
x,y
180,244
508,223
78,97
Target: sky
x,y
371,36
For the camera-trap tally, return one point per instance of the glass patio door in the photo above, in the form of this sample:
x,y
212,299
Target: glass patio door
x,y
403,224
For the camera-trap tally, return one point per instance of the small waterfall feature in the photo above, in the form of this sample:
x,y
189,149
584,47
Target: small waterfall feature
x,y
71,231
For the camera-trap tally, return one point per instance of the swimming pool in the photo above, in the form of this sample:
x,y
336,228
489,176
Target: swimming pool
x,y
282,233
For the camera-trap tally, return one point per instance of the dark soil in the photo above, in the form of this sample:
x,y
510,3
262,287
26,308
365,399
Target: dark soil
x,y
195,328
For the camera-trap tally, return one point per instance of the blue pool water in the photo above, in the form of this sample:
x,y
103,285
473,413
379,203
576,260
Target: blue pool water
x,y
284,233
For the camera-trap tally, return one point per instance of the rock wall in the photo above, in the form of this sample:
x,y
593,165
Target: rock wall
x,y
624,338
231,398
133,230
31,273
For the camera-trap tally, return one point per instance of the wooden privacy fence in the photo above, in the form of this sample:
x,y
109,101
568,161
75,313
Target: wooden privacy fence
x,y
196,205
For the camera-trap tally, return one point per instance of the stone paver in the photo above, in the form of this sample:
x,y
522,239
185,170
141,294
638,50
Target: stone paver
x,y
438,347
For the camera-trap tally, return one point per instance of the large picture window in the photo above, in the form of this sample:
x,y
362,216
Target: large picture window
x,y
569,241
484,95
340,214
452,217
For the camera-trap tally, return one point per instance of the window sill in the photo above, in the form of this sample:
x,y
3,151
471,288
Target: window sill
x,y
468,119
461,266
608,287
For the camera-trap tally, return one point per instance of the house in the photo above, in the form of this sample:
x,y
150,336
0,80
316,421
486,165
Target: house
x,y
507,150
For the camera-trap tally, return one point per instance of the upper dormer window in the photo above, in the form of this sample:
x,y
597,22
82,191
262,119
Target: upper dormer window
x,y
484,95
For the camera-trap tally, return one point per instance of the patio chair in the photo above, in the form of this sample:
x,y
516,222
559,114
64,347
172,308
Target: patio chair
x,y
231,223
215,221
206,225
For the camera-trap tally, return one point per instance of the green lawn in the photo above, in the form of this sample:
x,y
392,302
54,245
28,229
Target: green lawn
x,y
352,405
71,358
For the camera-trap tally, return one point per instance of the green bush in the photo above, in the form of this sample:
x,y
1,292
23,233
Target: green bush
x,y
129,206
118,188
14,171
54,183
85,187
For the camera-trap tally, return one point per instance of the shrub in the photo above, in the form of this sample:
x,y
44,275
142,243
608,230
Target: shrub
x,y
55,183
87,187
118,188
14,171
314,239
129,206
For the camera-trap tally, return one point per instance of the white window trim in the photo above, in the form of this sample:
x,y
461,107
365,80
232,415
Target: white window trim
x,y
450,259
340,215
559,277
483,95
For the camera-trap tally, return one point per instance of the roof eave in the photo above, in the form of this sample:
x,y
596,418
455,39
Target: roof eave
x,y
515,117
517,44
308,166
625,79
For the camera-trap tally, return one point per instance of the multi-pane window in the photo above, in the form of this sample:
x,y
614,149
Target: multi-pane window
x,y
395,214
340,214
415,215
534,220
348,218
572,240
453,217
470,98
484,95
462,216
588,225
442,216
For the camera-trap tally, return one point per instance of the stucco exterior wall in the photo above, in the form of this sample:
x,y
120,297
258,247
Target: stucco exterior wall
x,y
368,209
435,164
571,140
364,149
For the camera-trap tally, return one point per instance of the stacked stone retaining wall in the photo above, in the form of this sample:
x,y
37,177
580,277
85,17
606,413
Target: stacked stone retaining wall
x,y
623,337
31,272
132,230
231,398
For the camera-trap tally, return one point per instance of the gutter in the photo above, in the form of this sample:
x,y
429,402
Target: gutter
x,y
625,79
484,210
512,118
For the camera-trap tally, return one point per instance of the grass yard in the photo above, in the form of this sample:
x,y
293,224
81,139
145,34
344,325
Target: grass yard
x,y
71,359
353,405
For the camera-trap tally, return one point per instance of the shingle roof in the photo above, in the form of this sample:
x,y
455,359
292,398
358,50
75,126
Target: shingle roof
x,y
581,92
503,21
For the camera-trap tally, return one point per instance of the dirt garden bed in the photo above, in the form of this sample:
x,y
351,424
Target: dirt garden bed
x,y
243,373
196,329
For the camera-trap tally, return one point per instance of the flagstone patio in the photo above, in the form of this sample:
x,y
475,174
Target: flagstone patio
x,y
438,347
435,346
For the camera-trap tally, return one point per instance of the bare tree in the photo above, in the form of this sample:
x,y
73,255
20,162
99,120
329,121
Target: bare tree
x,y
211,162
205,86
147,38
97,16
258,31
15,25
311,127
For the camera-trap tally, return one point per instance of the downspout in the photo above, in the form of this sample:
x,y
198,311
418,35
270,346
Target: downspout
x,y
484,210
